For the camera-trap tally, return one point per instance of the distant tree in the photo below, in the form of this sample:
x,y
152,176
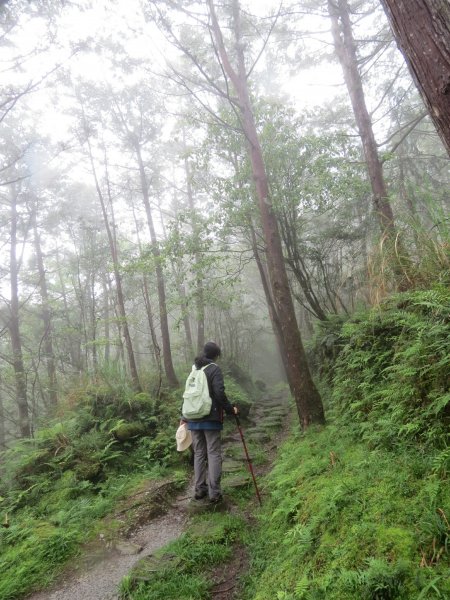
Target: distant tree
x,y
422,31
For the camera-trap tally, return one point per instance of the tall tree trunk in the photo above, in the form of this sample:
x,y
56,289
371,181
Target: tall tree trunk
x,y
73,345
49,356
422,31
2,419
165,335
306,395
14,328
344,43
345,47
117,277
274,320
186,322
200,292
106,319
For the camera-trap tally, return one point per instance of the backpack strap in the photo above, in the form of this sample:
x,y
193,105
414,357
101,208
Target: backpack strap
x,y
206,366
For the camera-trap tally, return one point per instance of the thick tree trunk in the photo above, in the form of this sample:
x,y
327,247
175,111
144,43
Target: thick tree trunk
x,y
151,326
165,335
307,398
49,356
422,31
274,320
14,329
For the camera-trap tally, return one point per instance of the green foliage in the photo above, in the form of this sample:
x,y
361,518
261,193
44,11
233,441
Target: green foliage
x,y
56,487
389,370
343,522
238,395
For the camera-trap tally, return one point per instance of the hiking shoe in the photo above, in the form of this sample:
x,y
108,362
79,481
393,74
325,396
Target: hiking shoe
x,y
216,499
200,495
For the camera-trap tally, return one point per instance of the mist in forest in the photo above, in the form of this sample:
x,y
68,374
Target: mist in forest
x,y
132,137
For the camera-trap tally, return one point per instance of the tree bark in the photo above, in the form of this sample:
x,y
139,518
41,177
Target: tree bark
x,y
2,420
49,355
345,47
305,393
422,31
200,292
14,329
165,335
275,321
117,278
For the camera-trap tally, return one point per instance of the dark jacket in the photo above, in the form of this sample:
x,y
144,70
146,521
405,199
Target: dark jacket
x,y
220,402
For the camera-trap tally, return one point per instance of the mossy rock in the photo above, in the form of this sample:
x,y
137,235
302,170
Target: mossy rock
x,y
208,530
231,466
259,436
88,470
237,482
272,422
127,431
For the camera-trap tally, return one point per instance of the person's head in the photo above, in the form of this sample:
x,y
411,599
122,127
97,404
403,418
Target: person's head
x,y
211,350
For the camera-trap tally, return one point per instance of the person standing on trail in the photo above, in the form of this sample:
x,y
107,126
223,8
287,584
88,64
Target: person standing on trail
x,y
206,431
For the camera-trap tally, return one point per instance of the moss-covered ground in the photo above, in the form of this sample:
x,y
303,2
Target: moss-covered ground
x,y
344,522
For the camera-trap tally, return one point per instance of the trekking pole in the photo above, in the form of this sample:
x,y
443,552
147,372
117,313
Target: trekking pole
x,y
250,467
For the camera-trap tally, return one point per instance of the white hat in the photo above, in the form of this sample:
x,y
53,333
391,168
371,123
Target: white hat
x,y
183,437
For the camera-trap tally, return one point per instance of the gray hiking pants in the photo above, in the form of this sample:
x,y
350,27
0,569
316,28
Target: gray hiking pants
x,y
207,461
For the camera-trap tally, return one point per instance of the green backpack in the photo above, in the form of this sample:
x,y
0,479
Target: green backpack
x,y
196,399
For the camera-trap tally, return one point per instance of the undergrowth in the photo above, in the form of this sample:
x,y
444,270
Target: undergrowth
x,y
54,489
345,522
388,369
360,509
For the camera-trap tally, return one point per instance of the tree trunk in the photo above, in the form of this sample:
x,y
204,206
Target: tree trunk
x,y
344,43
345,47
200,293
106,318
186,322
275,321
49,356
422,31
14,329
305,393
165,335
2,420
117,278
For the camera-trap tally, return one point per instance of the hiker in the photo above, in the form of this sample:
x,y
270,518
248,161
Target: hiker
x,y
206,431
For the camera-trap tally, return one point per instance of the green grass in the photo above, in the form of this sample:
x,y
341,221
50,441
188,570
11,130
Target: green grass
x,y
57,489
348,523
41,538
181,570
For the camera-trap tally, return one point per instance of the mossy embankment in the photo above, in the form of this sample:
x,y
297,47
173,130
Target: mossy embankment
x,y
360,509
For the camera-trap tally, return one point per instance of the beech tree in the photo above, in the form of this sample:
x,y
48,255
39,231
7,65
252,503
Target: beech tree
x,y
422,31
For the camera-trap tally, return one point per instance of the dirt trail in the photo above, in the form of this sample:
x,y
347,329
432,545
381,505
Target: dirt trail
x,y
96,574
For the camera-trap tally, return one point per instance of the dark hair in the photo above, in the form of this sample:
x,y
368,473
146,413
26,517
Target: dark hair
x,y
211,350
